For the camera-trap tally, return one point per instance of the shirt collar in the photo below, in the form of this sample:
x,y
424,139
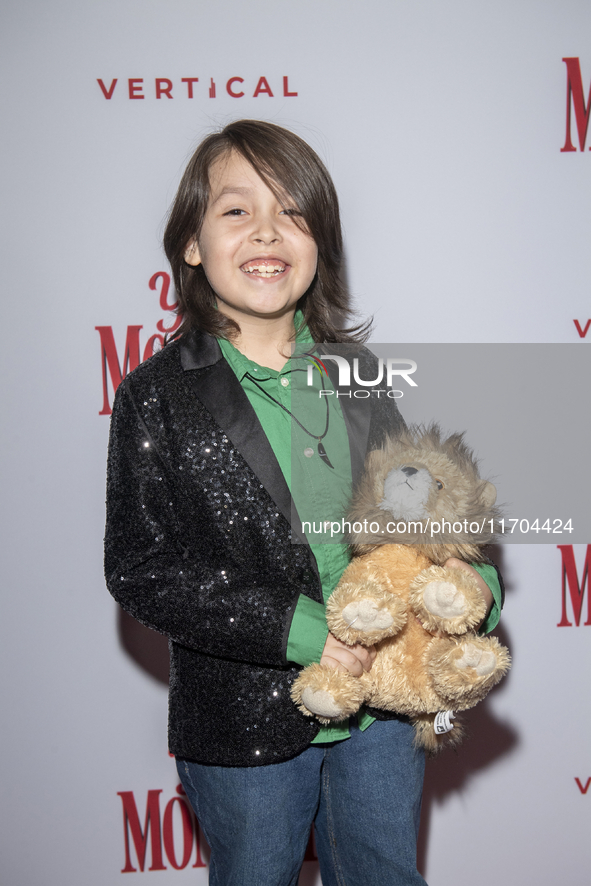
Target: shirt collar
x,y
242,366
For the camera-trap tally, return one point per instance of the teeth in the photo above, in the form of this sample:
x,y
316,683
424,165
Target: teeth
x,y
264,270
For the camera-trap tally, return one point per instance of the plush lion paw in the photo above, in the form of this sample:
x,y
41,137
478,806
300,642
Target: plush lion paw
x,y
322,704
355,614
327,693
366,615
482,661
447,599
464,671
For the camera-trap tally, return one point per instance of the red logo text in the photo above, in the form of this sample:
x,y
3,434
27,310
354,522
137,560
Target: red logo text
x,y
576,588
168,835
114,368
575,98
193,87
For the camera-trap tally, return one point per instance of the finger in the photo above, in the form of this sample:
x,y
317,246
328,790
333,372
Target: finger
x,y
363,655
345,657
352,663
354,659
331,662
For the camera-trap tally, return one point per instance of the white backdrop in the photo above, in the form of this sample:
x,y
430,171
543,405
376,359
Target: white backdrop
x,y
442,124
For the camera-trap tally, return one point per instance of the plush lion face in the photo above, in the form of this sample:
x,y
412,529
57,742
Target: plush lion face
x,y
425,490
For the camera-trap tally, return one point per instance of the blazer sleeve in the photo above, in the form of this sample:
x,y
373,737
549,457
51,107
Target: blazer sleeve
x,y
229,611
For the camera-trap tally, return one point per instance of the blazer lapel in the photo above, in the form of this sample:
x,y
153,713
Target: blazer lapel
x,y
357,415
220,392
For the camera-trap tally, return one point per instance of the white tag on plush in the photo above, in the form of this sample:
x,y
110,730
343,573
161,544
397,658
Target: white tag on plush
x,y
443,722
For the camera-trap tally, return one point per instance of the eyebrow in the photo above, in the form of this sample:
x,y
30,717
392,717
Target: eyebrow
x,y
232,189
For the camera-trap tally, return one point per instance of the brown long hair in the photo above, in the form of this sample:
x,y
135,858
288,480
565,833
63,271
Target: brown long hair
x,y
287,165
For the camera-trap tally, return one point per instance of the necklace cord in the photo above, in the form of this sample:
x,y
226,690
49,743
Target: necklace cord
x,y
285,409
321,450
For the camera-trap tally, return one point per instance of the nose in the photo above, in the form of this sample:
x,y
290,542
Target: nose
x,y
409,471
265,229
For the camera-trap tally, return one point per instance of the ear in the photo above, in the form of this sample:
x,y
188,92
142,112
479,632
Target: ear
x,y
192,255
488,496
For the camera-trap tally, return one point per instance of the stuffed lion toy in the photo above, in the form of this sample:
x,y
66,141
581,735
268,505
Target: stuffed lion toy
x,y
421,501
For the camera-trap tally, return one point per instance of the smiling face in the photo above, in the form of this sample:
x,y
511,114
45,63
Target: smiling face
x,y
257,260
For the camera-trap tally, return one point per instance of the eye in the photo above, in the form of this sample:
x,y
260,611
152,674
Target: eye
x,y
439,484
290,211
237,212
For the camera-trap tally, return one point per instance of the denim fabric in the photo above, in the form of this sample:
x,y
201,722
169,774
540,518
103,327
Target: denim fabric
x,y
363,795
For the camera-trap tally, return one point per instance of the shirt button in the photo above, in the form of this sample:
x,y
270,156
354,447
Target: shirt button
x,y
284,381
308,452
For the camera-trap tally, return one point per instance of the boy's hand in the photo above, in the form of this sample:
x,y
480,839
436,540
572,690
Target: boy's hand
x,y
347,659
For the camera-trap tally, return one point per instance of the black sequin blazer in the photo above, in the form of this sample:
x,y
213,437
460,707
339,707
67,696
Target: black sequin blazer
x,y
198,546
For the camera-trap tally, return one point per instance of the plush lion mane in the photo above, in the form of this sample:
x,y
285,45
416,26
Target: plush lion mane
x,y
465,496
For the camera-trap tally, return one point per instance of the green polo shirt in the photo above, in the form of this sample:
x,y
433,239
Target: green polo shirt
x,y
313,484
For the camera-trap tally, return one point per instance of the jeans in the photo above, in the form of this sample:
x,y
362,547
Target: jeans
x,y
363,795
